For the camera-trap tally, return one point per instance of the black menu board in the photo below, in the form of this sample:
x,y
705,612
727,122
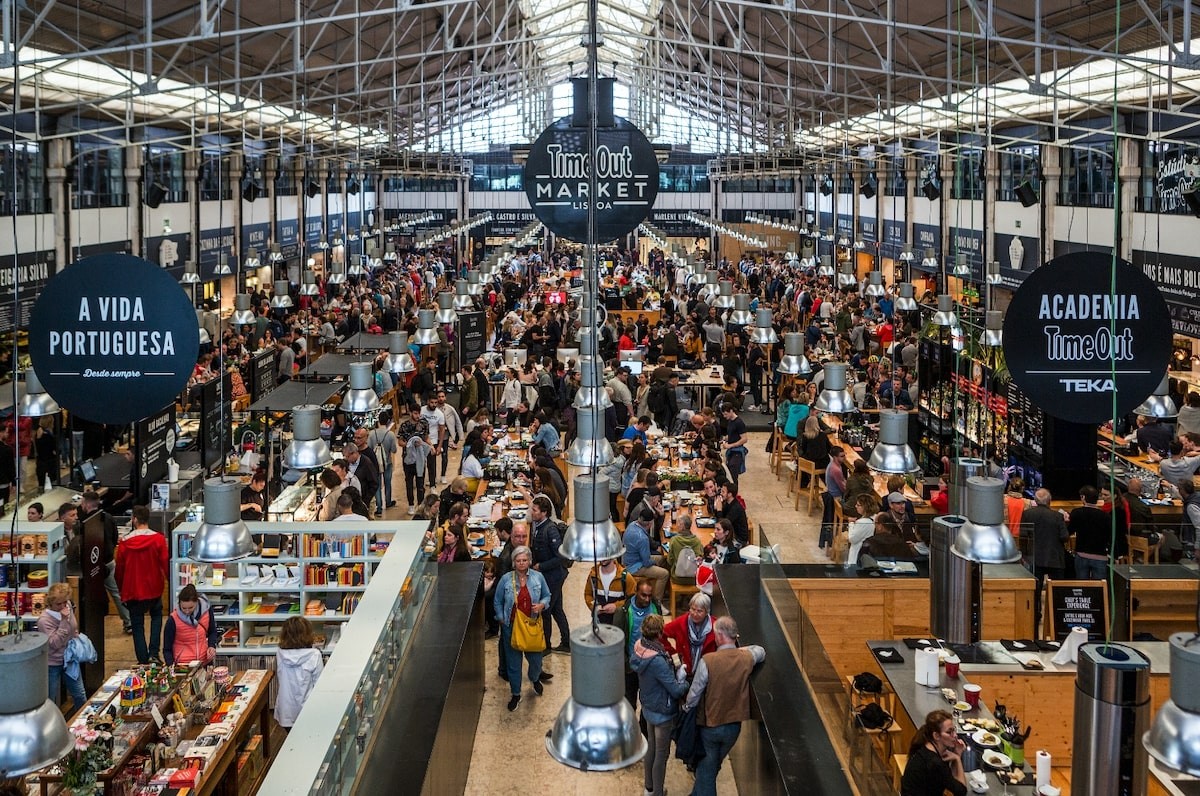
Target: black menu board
x,y
214,420
1077,603
154,443
472,336
262,375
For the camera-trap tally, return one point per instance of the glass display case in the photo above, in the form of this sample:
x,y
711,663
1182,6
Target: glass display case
x,y
296,503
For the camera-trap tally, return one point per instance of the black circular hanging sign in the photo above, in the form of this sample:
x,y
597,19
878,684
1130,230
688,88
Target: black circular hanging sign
x,y
113,338
1072,341
556,179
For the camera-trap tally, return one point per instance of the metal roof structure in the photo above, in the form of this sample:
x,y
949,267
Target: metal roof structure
x,y
787,74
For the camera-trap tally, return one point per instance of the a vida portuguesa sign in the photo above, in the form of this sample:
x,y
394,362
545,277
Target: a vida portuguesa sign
x,y
1087,338
557,181
113,338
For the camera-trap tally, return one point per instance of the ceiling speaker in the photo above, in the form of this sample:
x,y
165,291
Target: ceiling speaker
x,y
251,191
868,188
312,189
155,194
1027,194
931,191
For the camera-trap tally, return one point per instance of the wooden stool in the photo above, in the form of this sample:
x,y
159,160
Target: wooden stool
x,y
680,590
898,764
778,453
809,468
869,741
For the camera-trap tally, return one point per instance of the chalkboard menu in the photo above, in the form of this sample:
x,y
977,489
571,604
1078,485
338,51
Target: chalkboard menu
x,y
472,336
262,375
154,442
214,420
1077,603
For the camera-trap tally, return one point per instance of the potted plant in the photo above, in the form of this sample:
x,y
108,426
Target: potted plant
x,y
92,754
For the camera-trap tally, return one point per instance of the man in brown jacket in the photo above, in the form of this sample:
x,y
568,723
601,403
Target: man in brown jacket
x,y
723,680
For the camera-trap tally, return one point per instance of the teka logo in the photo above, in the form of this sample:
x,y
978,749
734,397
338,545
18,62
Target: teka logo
x,y
1088,385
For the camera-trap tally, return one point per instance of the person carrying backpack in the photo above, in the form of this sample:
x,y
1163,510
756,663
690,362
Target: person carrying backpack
x,y
684,552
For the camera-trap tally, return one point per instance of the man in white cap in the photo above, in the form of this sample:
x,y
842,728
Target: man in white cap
x,y
900,509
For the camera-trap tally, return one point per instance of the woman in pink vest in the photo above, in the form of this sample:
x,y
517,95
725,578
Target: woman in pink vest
x,y
190,634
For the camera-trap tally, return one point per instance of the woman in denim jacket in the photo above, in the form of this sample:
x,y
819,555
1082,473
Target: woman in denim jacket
x,y
524,590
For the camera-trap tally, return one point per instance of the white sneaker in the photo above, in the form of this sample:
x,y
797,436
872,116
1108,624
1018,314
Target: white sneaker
x,y
412,510
444,481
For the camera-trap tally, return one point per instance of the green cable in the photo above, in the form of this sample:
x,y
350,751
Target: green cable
x,y
1112,326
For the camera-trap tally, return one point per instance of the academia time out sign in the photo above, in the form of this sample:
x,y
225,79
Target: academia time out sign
x,y
113,338
1087,337
557,179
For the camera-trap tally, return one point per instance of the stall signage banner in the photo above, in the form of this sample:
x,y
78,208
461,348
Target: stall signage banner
x,y
1178,279
867,229
1082,350
558,171
893,239
1176,175
154,442
114,338
677,224
1078,604
313,225
335,225
214,421
472,336
214,243
926,236
508,223
1017,256
287,232
845,225
255,236
29,274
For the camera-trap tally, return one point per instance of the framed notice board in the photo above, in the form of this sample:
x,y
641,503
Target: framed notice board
x,y
1077,603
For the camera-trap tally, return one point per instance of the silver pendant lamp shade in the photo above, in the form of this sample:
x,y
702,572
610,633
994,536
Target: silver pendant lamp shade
x,y
993,329
763,331
984,537
741,314
251,262
355,268
826,267
445,311
361,396
281,298
945,312
993,273
892,454
307,450
710,290
591,394
474,283
846,276
222,268
275,254
590,448
906,301
462,296
724,299
336,275
33,734
1159,404
961,266
308,283
389,253
242,314
597,729
1174,737
399,359
834,397
589,320
874,288
427,329
190,275
223,536
591,536
36,402
794,363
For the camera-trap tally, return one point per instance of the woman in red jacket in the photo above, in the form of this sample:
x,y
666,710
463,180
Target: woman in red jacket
x,y
691,636
191,632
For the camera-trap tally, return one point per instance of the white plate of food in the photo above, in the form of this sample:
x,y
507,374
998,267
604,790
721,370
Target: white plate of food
x,y
997,760
988,740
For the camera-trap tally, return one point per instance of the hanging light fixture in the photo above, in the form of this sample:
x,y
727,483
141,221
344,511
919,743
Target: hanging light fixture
x,y
961,266
826,266
474,283
427,328
1159,403
355,267
724,299
36,402
336,275
1173,737
763,331
794,363
591,536
741,315
892,453
591,379
222,536
275,255
875,288
708,293
308,283
399,358
445,311
307,450
846,277
223,268
993,273
462,298
907,256
945,312
190,275
242,314
389,253
984,538
906,301
361,396
993,330
251,262
930,260
589,448
834,397
32,727
322,243
281,300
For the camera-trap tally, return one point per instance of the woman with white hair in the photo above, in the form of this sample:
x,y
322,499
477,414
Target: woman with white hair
x,y
691,636
523,590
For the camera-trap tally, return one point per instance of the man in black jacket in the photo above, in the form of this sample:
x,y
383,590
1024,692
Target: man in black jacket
x,y
544,541
362,439
485,390
1049,531
364,470
728,506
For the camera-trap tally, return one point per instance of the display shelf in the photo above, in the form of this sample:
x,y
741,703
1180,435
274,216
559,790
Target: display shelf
x,y
325,550
40,546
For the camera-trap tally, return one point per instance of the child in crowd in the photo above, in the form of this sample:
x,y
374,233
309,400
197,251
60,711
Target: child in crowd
x,y
297,666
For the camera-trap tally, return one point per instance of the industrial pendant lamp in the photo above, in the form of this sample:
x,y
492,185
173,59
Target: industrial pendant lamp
x,y
308,283
427,328
906,301
724,299
222,268
1174,737
589,449
961,266
242,314
875,288
445,311
907,256
591,536
945,312
591,392
336,276
474,283
361,396
190,275
993,329
462,296
399,358
307,450
389,253
846,277
708,293
984,538
355,268
223,536
275,254
281,300
1159,404
741,315
892,454
794,363
763,331
834,397
826,266
930,260
589,321
33,733
36,402
993,273
251,262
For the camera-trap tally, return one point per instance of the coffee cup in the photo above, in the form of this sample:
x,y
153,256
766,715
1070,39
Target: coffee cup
x,y
971,694
952,667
